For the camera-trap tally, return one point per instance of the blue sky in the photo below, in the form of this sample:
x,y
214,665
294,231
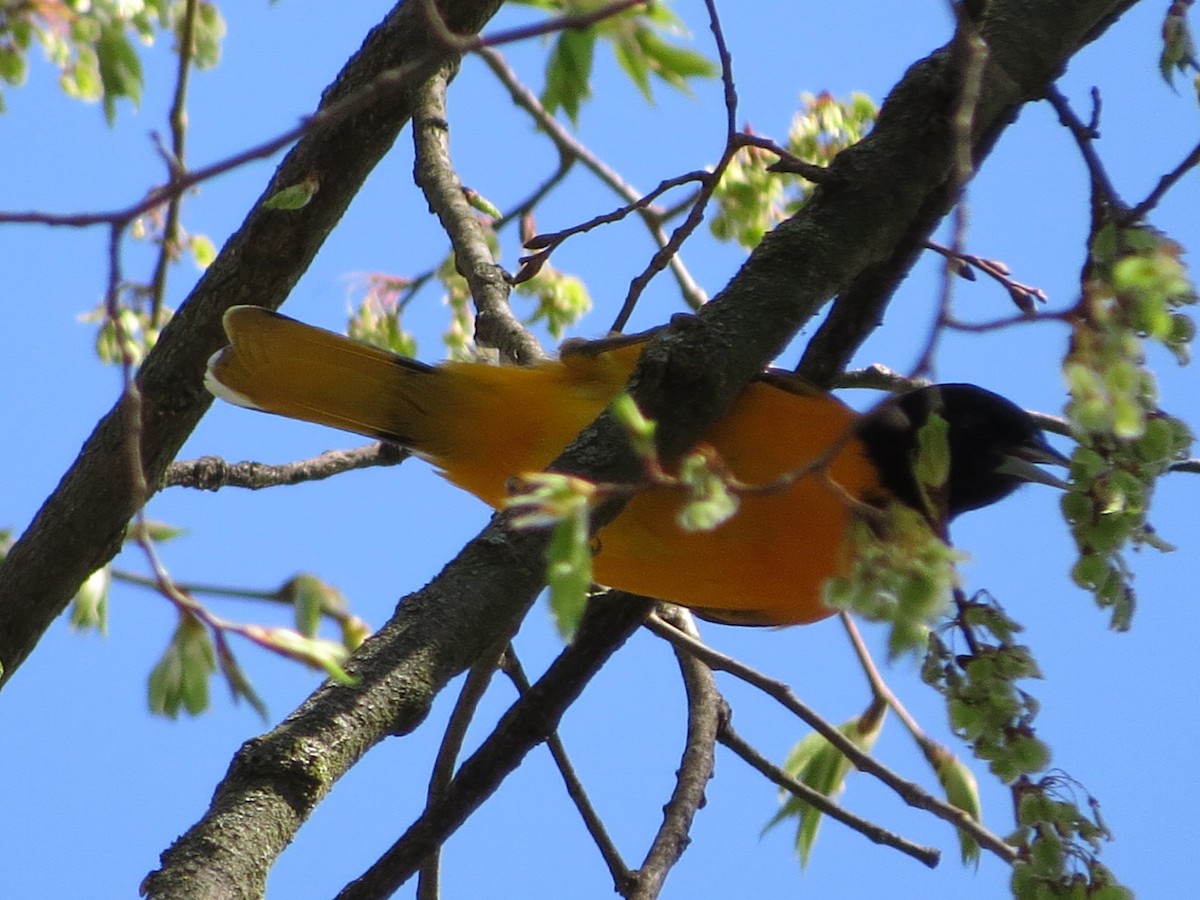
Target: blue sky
x,y
95,787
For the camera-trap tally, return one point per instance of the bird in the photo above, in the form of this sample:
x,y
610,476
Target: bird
x,y
482,425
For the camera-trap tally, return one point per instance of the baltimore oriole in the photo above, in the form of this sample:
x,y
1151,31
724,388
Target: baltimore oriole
x,y
483,424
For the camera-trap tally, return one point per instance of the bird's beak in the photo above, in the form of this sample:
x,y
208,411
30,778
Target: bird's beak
x,y
1022,462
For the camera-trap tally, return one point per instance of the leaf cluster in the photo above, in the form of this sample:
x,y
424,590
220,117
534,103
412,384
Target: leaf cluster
x,y
93,45
642,40
751,199
1134,290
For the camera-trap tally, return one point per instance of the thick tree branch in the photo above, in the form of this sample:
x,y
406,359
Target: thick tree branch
x,y
80,526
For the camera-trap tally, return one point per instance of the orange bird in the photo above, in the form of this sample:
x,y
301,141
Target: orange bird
x,y
481,425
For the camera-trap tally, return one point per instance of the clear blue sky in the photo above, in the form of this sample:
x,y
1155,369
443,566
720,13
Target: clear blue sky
x,y
94,787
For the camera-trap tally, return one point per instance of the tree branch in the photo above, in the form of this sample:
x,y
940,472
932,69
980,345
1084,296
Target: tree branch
x,y
91,506
910,792
495,324
211,473
706,709
930,856
591,819
527,723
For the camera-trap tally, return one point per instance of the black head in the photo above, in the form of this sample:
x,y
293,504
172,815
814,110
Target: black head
x,y
994,445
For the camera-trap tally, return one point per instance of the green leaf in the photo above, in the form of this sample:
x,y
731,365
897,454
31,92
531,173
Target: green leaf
x,y
568,73
294,196
672,63
89,608
239,685
204,251
1178,49
819,765
962,791
308,595
634,63
154,530
932,465
710,501
640,429
481,203
120,70
207,33
314,652
180,678
13,66
564,503
569,573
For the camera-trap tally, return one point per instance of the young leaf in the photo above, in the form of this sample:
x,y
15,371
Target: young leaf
x,y
294,196
819,765
89,608
180,678
962,791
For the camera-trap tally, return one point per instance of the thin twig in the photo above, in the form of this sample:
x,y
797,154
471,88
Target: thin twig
x,y
878,686
495,324
465,44
695,215
1085,138
1164,184
474,687
168,249
1023,294
930,856
211,473
567,145
972,53
511,666
911,793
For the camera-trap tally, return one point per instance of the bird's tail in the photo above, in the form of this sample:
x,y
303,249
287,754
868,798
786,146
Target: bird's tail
x,y
278,365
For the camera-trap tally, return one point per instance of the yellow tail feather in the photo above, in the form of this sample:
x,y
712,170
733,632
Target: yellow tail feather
x,y
281,366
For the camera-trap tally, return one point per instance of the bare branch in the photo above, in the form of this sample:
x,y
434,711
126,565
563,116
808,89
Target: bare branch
x,y
930,856
706,710
526,724
1085,138
1165,183
211,473
495,324
1023,295
571,148
169,247
478,678
695,215
591,819
911,793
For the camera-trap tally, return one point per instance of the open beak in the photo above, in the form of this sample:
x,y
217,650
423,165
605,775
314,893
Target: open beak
x,y
1022,462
